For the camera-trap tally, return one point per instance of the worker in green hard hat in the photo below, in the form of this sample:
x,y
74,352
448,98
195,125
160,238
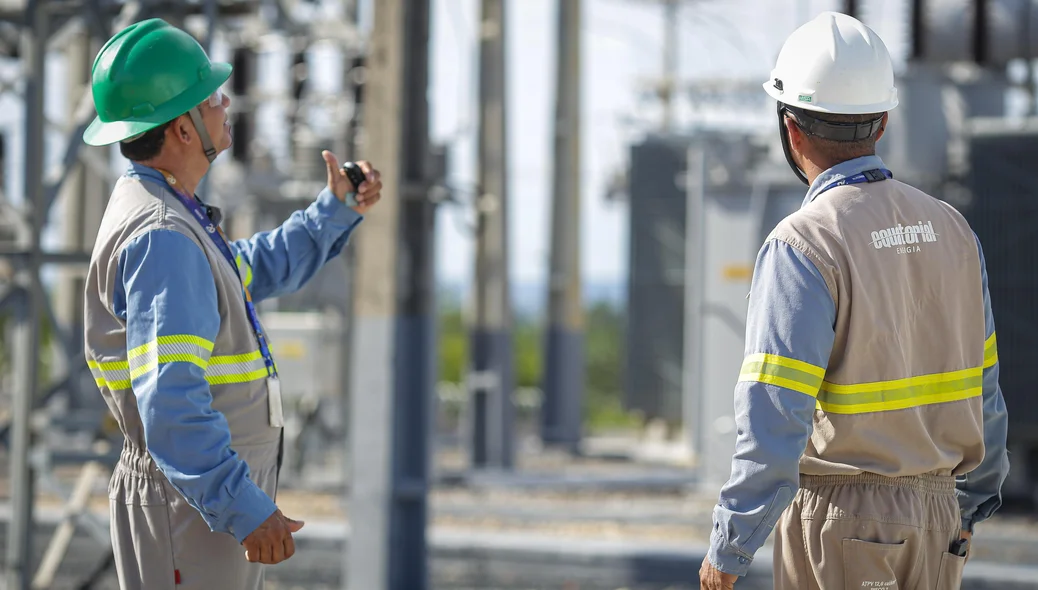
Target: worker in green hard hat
x,y
172,334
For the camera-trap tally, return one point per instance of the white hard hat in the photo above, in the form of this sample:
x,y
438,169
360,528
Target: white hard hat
x,y
834,64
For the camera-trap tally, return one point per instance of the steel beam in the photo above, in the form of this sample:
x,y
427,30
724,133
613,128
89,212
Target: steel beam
x,y
27,339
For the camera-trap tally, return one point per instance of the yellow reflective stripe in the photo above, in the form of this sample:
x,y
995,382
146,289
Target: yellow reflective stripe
x,y
186,341
153,362
235,358
177,348
219,370
900,394
237,377
990,352
236,368
111,374
245,270
142,349
783,372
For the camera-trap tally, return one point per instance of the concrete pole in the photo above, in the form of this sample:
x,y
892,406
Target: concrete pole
x,y
392,365
670,62
27,330
490,380
561,411
694,424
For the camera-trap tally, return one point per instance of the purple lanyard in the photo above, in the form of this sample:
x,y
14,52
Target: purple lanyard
x,y
218,238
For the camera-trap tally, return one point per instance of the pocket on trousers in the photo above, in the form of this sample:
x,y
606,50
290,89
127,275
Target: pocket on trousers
x,y
950,576
870,565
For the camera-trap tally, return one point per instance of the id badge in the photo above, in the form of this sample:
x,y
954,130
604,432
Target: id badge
x,y
277,414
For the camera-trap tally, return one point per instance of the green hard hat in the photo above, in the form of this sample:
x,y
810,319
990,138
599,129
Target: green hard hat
x,y
148,74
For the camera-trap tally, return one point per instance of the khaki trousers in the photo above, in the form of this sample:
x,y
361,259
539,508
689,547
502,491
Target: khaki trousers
x,y
162,543
869,531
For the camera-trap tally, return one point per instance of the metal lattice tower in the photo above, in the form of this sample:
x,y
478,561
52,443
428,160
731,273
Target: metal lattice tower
x,y
55,415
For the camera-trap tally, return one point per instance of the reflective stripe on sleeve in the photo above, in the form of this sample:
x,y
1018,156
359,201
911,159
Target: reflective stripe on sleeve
x,y
990,352
219,369
244,270
783,372
179,348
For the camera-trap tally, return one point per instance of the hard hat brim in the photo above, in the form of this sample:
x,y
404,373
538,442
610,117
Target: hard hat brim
x,y
101,133
789,98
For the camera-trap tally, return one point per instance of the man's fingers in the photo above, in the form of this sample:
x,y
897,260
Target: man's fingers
x,y
369,201
277,552
367,168
369,190
290,547
266,553
251,554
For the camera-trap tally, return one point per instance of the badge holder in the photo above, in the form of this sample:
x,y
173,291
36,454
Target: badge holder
x,y
274,408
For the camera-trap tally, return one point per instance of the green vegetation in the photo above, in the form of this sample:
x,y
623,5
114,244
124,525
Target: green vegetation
x,y
603,400
45,362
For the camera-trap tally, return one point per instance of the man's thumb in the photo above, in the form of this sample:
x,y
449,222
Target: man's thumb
x,y
293,525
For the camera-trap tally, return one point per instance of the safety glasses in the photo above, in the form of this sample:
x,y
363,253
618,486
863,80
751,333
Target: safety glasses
x,y
216,98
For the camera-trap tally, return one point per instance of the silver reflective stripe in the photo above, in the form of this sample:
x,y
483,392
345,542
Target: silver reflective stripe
x,y
238,368
177,348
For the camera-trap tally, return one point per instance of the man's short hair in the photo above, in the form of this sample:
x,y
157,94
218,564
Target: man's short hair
x,y
146,146
846,150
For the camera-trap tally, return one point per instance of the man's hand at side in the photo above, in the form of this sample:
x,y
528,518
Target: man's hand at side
x,y
711,578
272,542
964,534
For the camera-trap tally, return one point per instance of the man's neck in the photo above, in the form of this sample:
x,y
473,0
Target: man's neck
x,y
814,168
812,171
188,177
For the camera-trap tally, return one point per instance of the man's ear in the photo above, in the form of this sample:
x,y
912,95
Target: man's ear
x,y
181,129
796,135
882,126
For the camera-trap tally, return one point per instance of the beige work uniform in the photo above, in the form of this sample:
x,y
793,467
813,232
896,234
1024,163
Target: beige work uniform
x,y
899,412
160,541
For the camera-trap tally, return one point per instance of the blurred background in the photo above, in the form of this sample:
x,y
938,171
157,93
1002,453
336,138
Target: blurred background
x,y
519,373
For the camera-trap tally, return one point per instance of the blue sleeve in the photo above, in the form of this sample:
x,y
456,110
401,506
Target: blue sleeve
x,y
789,336
979,491
282,260
166,293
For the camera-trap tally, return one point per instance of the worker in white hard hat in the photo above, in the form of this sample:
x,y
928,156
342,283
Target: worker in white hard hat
x,y
871,427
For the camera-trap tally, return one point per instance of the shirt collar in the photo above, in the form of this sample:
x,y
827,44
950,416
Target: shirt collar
x,y
841,171
138,170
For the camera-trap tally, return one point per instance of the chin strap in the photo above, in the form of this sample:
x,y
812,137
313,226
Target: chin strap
x,y
203,134
784,133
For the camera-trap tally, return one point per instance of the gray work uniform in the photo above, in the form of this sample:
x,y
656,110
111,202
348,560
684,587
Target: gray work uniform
x,y
162,539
